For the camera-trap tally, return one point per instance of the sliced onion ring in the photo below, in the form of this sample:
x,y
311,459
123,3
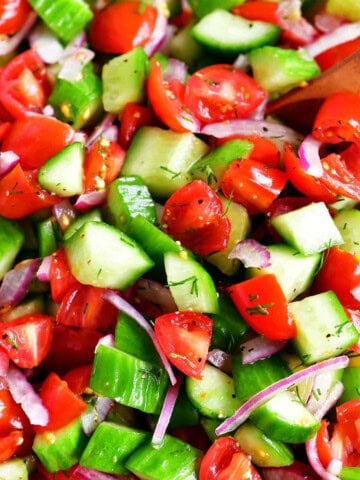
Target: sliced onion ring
x,y
165,414
88,200
310,157
341,34
84,473
16,282
220,360
281,385
91,419
251,253
259,348
8,160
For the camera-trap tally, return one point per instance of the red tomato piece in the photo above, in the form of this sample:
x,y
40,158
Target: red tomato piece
x,y
345,285
336,54
258,10
62,404
194,215
348,417
338,119
253,184
13,14
222,92
29,138
354,317
78,378
225,460
338,178
262,303
185,339
84,307
61,278
24,84
122,26
21,195
27,339
42,474
167,101
102,164
10,444
132,118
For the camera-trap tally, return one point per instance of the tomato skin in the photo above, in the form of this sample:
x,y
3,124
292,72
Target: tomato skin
x,y
24,84
253,184
132,118
194,215
10,444
13,14
336,54
78,378
225,460
61,278
62,404
102,164
222,92
122,26
185,339
83,306
27,339
348,417
337,260
29,137
262,303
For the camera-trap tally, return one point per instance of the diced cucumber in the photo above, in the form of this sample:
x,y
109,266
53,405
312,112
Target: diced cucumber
x,y
14,469
66,18
323,327
309,229
29,305
127,197
162,158
240,228
350,473
190,284
285,418
213,394
110,446
63,173
172,460
351,380
278,69
124,80
294,271
184,47
93,215
11,240
222,32
347,10
203,7
103,256
263,450
128,379
60,449
48,236
348,223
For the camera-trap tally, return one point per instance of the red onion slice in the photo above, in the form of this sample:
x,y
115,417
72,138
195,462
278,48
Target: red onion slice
x,y
91,419
165,414
175,69
159,33
16,282
314,460
9,43
8,160
125,307
291,19
341,34
23,393
281,385
326,22
310,157
47,45
103,127
88,200
251,253
64,213
249,126
258,348
43,272
220,360
84,473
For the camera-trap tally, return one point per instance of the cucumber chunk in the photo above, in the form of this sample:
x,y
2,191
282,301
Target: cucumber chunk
x,y
103,256
348,223
203,7
223,32
347,10
14,469
11,240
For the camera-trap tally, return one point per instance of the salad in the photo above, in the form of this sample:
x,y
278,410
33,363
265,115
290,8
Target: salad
x,y
179,269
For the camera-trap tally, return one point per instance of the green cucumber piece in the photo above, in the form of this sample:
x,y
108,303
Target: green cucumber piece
x,y
263,450
103,256
66,18
212,166
294,271
162,158
213,394
184,47
31,304
309,229
348,223
124,79
60,449
285,418
110,446
240,228
350,473
128,379
278,70
225,33
127,197
323,329
172,460
351,380
48,236
63,173
14,469
93,215
78,102
191,286
11,240
203,7
347,10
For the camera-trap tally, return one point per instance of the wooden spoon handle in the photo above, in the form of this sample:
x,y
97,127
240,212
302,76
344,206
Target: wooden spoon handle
x,y
298,107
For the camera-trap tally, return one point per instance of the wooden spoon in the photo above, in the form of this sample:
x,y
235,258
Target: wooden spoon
x,y
298,107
